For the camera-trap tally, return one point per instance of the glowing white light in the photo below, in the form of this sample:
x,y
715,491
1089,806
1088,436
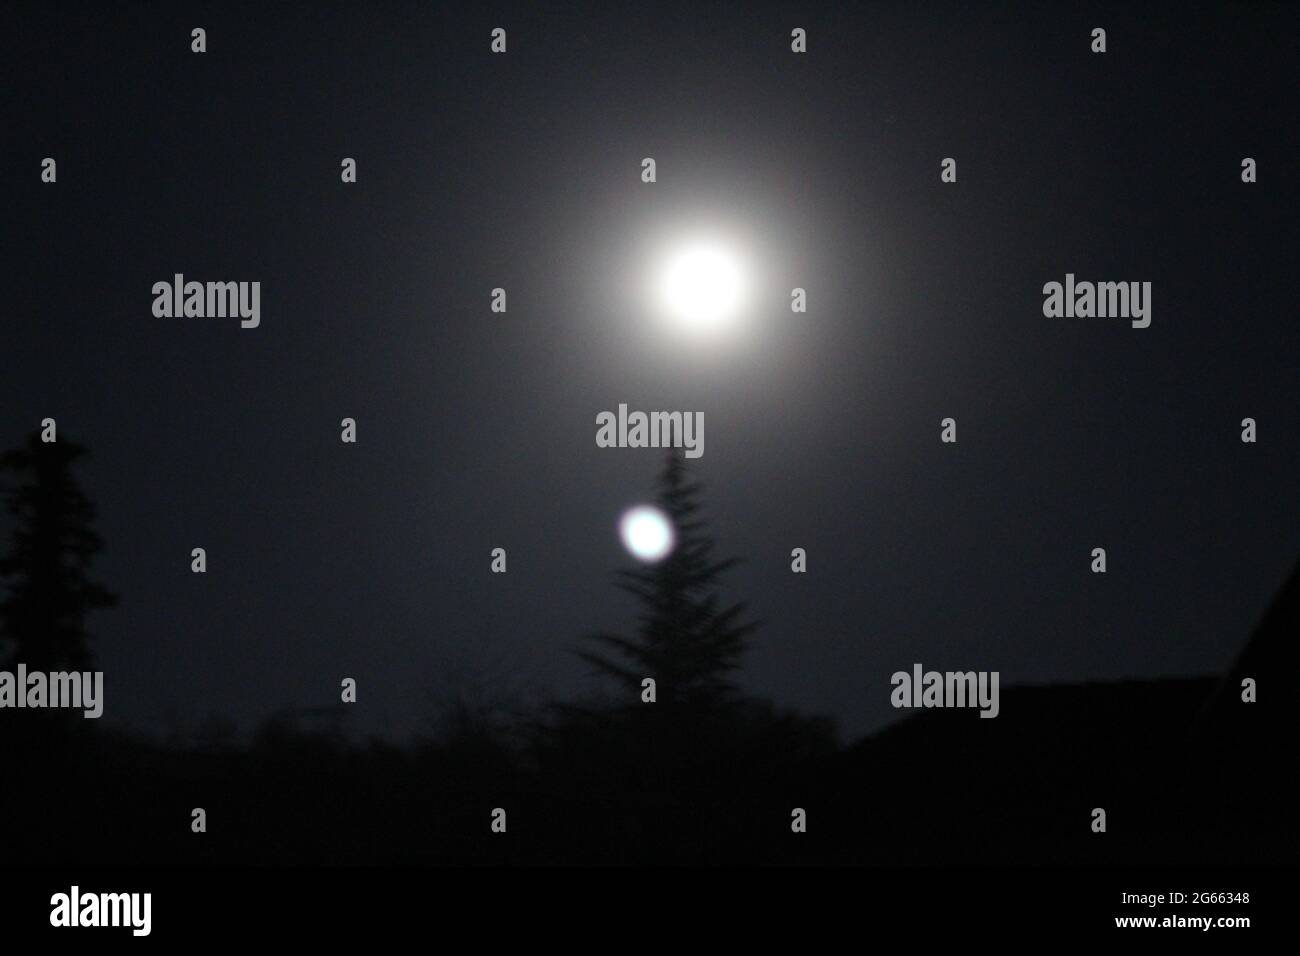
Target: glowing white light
x,y
703,286
647,533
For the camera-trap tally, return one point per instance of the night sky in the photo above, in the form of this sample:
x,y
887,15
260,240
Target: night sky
x,y
476,430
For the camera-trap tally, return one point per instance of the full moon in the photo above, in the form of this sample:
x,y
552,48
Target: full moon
x,y
702,286
647,533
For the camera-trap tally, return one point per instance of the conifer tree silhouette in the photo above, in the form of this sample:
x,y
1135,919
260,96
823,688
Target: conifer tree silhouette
x,y
46,568
688,640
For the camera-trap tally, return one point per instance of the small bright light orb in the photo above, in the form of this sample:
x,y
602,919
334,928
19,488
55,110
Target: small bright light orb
x,y
702,286
647,533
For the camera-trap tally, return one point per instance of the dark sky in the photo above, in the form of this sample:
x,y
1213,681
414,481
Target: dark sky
x,y
476,430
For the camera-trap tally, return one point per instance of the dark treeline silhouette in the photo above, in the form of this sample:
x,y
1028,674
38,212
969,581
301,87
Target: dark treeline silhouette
x,y
48,592
1186,772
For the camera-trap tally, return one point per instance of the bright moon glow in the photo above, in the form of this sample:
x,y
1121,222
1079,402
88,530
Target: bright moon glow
x,y
703,286
647,533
